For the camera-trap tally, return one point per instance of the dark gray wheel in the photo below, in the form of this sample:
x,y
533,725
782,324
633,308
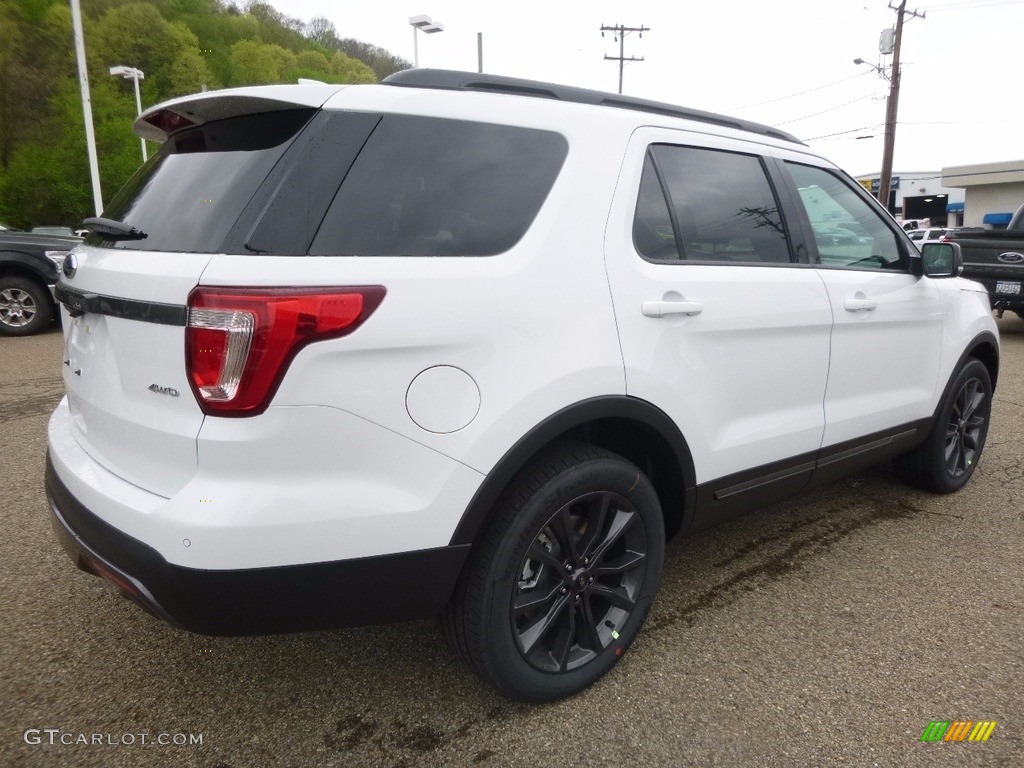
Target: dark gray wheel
x,y
25,306
947,459
565,575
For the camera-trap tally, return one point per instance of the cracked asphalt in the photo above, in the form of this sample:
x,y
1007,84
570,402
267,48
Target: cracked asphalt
x,y
826,630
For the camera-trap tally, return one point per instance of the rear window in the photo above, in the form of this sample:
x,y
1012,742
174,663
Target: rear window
x,y
434,187
187,197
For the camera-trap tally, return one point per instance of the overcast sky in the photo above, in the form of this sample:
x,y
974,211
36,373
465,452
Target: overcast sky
x,y
788,63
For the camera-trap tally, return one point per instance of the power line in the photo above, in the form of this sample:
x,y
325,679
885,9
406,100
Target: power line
x,y
620,37
822,112
801,93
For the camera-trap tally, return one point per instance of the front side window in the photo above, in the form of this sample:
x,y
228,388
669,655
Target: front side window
x,y
432,187
707,205
847,230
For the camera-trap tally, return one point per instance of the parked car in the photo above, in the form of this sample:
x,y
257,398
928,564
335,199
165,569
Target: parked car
x,y
995,258
58,231
929,235
29,267
477,346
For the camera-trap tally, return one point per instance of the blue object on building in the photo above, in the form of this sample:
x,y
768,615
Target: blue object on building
x,y
997,219
954,208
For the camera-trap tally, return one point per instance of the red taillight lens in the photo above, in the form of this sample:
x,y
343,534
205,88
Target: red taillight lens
x,y
240,341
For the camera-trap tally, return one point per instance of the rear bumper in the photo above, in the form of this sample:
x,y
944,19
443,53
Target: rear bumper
x,y
360,591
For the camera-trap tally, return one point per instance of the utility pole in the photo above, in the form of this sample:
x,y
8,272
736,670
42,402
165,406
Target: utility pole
x,y
885,179
620,36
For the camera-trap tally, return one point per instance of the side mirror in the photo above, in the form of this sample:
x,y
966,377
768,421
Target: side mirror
x,y
942,259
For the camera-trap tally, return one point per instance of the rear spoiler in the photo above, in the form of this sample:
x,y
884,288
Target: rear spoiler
x,y
160,121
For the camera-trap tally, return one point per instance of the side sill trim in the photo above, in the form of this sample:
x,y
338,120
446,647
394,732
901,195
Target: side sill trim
x,y
758,482
875,445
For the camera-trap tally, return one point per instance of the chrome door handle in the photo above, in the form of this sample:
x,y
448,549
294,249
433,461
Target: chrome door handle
x,y
662,308
860,305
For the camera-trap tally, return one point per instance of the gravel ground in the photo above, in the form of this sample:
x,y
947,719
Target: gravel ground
x,y
827,630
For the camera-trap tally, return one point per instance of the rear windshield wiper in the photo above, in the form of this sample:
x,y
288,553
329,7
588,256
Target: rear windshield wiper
x,y
113,230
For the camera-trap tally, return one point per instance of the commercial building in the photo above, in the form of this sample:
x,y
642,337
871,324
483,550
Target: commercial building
x,y
992,192
920,195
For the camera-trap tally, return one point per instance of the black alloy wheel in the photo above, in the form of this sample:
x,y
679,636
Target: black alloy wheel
x,y
579,582
950,454
965,432
563,576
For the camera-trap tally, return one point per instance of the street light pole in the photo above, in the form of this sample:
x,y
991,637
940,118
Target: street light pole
x,y
131,73
83,81
426,25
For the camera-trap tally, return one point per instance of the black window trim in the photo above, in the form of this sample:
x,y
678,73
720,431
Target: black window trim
x,y
772,176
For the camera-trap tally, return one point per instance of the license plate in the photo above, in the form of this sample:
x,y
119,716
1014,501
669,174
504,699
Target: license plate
x,y
1002,287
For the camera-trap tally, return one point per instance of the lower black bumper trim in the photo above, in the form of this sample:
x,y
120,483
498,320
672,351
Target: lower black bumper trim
x,y
369,590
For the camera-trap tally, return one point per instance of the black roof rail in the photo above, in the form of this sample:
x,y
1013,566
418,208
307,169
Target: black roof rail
x,y
453,80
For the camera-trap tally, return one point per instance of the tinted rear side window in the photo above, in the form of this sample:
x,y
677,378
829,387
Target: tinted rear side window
x,y
433,187
190,194
721,204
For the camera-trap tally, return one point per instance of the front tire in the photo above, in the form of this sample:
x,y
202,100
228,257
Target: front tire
x,y
948,457
25,307
564,576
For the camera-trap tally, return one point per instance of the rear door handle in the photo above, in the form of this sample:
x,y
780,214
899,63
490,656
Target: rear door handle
x,y
860,305
663,308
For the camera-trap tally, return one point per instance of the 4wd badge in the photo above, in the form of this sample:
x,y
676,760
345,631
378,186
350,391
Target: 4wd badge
x,y
163,390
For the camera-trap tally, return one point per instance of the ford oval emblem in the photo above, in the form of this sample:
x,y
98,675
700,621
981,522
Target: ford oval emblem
x,y
1011,257
70,266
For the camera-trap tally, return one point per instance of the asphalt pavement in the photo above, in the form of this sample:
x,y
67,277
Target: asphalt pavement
x,y
827,630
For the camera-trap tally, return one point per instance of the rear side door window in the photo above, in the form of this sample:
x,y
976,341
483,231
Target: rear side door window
x,y
707,206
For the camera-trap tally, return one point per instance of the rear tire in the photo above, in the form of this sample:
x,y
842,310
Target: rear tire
x,y
948,457
25,306
563,577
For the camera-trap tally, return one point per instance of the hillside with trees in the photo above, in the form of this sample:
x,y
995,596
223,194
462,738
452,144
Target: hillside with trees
x,y
182,46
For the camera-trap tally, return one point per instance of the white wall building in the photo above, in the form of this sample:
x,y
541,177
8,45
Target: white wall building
x,y
993,191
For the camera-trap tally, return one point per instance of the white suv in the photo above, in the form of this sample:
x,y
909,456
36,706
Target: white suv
x,y
477,346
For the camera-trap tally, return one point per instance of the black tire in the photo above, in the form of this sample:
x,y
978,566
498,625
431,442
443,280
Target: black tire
x,y
25,306
563,577
947,459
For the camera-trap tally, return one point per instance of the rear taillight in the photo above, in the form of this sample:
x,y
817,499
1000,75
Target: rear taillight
x,y
240,341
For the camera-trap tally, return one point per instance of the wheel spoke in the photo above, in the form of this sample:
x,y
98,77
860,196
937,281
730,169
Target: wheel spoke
x,y
565,641
619,523
972,398
533,599
567,537
539,552
529,636
954,452
627,562
591,636
617,596
595,524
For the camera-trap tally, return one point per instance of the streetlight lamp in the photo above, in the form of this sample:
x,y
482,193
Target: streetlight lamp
x,y
131,73
426,25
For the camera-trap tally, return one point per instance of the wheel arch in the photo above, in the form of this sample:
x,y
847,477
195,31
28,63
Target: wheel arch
x,y
18,264
634,429
985,348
